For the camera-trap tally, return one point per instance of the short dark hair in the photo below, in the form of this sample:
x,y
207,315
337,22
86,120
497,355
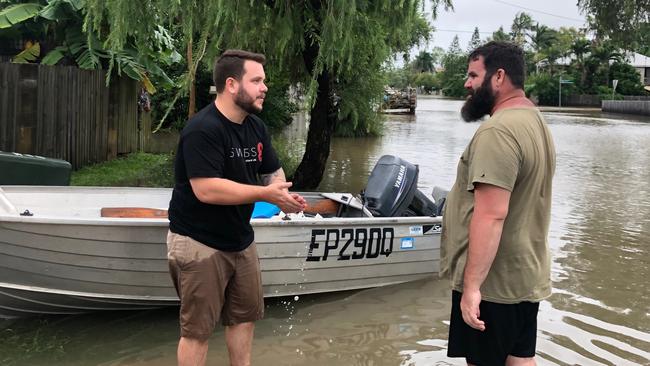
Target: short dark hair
x,y
231,65
502,55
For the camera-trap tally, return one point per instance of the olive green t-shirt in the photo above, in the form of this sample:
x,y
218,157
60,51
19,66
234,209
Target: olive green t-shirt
x,y
513,150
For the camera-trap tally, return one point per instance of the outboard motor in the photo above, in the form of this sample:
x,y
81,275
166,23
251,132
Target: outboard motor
x,y
392,190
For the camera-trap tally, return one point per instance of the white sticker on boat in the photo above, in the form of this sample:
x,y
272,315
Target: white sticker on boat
x,y
415,230
407,243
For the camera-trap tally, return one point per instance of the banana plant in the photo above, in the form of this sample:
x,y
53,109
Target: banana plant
x,y
29,54
17,13
65,17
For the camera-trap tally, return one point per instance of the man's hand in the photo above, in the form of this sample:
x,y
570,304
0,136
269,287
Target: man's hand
x,y
278,193
469,307
300,199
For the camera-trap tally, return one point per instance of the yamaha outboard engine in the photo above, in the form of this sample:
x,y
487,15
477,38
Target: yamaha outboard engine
x,y
392,190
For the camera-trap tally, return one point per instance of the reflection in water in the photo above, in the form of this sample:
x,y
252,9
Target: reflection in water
x,y
599,313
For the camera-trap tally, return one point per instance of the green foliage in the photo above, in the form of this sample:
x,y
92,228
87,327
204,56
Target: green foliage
x,y
171,110
501,35
642,45
54,56
475,41
14,14
60,9
345,39
424,62
399,78
29,54
277,112
288,153
341,43
278,108
596,75
356,113
134,170
453,77
57,26
521,25
629,82
542,37
454,47
428,82
607,93
546,88
625,22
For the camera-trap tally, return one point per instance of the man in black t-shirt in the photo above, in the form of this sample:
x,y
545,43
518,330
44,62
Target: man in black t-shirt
x,y
213,261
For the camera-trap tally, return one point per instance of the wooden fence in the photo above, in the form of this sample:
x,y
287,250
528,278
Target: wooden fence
x,y
582,100
67,113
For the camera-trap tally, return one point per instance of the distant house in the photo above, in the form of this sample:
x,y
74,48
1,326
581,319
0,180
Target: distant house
x,y
642,65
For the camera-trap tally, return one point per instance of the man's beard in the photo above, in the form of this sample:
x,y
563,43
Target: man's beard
x,y
479,103
246,102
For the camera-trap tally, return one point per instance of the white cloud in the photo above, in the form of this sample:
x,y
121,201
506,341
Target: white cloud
x,y
489,15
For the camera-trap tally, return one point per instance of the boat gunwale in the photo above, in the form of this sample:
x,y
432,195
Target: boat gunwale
x,y
330,221
148,222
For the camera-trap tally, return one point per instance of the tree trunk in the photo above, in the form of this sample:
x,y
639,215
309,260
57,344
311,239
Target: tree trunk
x,y
321,126
322,121
192,76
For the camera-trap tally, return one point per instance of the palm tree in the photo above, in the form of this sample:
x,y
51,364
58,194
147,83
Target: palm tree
x,y
543,41
542,37
579,48
520,25
605,53
424,62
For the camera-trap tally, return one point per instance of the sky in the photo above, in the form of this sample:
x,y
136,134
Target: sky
x,y
489,15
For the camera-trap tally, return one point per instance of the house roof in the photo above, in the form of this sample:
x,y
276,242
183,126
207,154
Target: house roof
x,y
639,60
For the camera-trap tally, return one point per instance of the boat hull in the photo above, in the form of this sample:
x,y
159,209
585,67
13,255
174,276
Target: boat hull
x,y
69,264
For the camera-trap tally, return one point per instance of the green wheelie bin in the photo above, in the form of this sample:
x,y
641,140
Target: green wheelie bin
x,y
24,169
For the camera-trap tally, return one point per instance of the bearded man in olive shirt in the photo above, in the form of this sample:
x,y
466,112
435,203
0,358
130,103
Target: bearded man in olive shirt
x,y
495,225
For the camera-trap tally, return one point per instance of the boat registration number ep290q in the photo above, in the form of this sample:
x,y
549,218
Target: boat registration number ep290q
x,y
349,243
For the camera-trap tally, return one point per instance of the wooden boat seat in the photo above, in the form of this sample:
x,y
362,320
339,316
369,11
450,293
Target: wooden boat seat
x,y
134,212
321,206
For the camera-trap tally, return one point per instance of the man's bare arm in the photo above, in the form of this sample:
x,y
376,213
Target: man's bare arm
x,y
490,211
220,191
276,176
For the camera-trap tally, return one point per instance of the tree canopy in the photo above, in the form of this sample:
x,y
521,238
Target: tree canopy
x,y
333,47
626,22
52,33
475,41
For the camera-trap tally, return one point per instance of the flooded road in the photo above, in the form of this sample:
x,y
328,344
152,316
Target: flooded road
x,y
599,313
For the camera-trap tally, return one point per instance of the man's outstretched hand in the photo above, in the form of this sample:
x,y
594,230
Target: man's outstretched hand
x,y
278,193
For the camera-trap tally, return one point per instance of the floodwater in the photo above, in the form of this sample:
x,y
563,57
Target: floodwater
x,y
599,313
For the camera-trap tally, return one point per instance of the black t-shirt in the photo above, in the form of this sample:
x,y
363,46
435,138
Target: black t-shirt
x,y
212,146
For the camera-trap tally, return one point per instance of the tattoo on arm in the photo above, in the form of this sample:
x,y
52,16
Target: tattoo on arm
x,y
276,176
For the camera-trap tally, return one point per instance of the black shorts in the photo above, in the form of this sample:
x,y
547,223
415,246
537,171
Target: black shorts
x,y
510,329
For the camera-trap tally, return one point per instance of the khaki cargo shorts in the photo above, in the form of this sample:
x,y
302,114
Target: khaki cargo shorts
x,y
213,285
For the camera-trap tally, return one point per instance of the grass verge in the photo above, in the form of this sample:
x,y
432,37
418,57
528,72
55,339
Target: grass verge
x,y
134,170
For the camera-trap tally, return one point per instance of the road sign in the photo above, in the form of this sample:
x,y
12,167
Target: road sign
x,y
560,82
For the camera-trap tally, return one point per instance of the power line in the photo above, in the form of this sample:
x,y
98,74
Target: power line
x,y
539,11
